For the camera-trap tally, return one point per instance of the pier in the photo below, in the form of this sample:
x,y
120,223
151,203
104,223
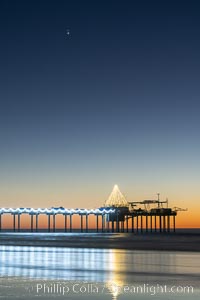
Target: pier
x,y
107,220
52,213
117,215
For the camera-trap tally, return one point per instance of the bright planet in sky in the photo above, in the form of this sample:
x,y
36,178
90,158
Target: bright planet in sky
x,y
67,32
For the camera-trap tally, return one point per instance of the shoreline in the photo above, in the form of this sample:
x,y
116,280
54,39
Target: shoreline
x,y
125,241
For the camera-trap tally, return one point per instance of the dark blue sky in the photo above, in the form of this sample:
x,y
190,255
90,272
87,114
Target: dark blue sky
x,y
118,100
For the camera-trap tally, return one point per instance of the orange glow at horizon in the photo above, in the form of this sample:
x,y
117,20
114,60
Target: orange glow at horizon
x,y
94,196
94,199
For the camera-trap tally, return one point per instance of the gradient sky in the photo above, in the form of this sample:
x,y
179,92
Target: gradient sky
x,y
116,101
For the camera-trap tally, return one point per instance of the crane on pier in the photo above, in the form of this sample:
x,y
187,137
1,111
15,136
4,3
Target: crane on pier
x,y
147,203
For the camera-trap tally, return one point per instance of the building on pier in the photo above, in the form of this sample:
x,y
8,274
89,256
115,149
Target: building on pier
x,y
145,217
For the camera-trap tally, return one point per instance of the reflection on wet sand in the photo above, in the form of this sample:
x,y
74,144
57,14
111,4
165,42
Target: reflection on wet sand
x,y
100,265
109,269
57,263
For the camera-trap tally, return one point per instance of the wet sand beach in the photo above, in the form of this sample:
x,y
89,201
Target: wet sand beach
x,y
88,273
